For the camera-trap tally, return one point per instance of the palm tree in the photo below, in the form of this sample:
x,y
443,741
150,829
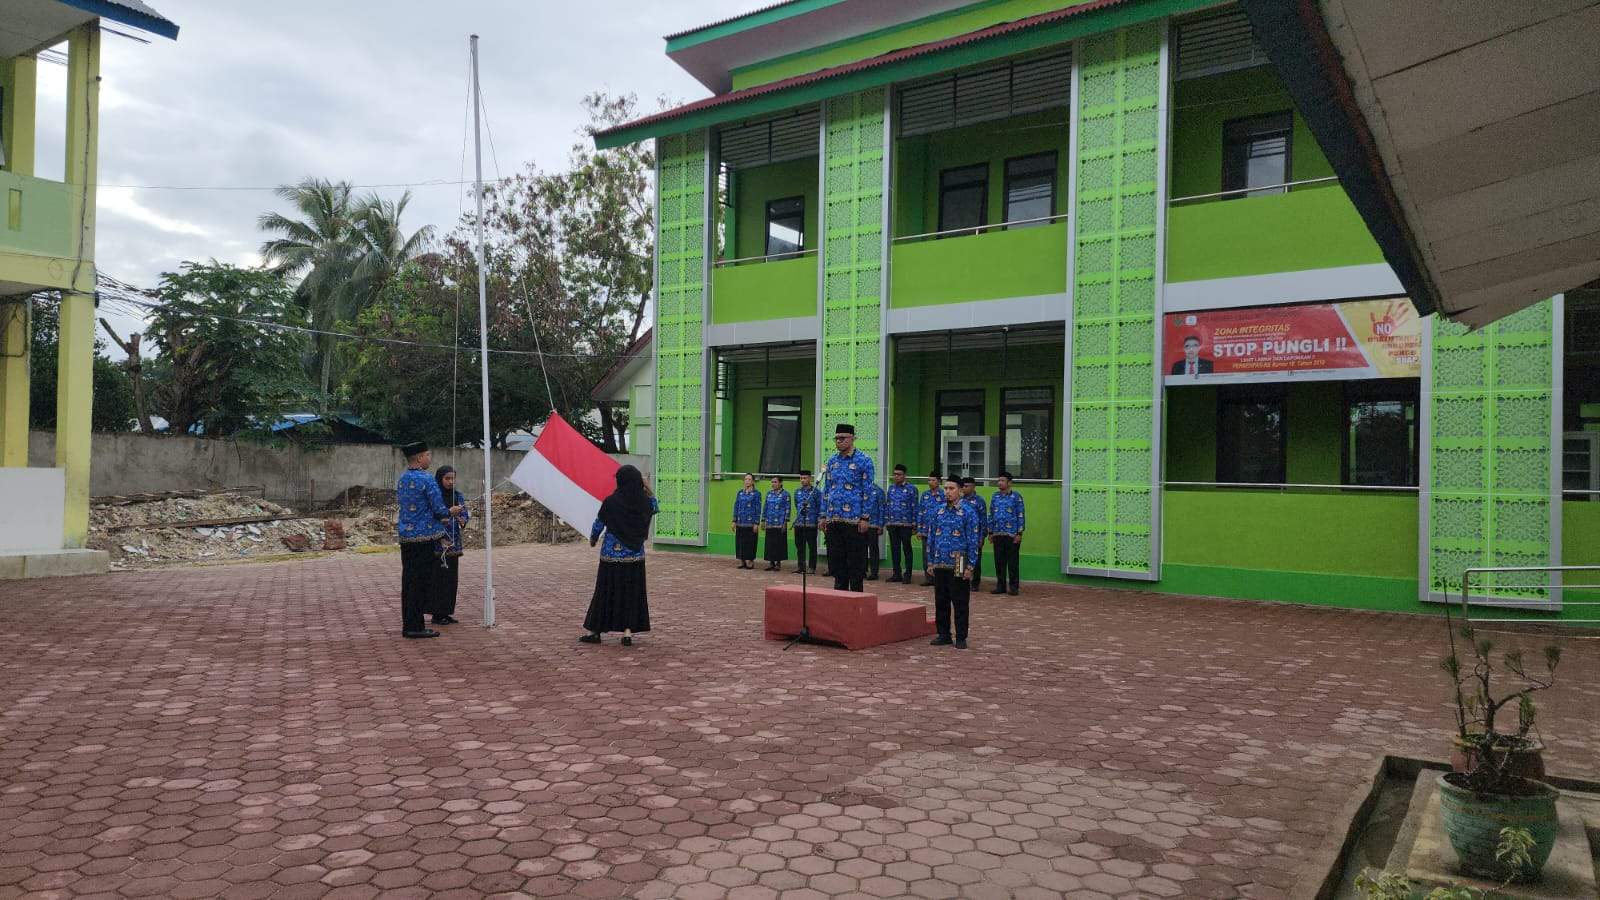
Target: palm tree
x,y
320,247
382,246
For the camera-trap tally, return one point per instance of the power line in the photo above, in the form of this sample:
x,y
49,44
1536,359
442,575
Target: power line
x,y
435,182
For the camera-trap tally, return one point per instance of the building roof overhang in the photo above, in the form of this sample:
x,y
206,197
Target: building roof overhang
x,y
622,372
1468,138
971,48
34,25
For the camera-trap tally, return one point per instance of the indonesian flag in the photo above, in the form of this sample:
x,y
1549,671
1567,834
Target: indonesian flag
x,y
567,474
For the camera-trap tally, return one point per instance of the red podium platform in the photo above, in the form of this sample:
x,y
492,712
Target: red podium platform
x,y
855,620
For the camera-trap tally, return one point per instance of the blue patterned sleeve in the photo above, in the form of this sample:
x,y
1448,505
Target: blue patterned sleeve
x,y
441,510
1022,515
974,535
597,529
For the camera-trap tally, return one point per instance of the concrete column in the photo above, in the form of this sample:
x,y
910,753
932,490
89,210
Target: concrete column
x,y
75,370
18,78
13,383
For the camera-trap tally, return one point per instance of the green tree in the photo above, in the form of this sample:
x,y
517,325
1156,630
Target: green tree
x,y
226,363
319,248
382,247
113,395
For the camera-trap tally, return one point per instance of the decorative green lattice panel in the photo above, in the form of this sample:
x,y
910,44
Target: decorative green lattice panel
x,y
1111,502
679,340
1491,438
852,265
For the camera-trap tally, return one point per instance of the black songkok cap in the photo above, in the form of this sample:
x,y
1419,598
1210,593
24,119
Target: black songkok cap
x,y
413,448
845,428
806,472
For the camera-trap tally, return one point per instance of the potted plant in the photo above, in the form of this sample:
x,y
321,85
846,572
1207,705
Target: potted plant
x,y
1493,790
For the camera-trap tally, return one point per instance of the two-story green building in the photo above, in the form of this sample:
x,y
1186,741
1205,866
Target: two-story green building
x,y
1096,245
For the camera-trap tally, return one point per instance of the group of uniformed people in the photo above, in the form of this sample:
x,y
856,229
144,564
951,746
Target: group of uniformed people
x,y
950,519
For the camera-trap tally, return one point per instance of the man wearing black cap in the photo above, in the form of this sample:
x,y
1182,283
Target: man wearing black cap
x,y
848,481
807,507
419,527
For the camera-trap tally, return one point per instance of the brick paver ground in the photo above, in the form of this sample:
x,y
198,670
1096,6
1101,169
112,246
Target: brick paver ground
x,y
262,731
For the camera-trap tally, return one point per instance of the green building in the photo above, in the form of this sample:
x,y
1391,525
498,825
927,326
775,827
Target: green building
x,y
1096,244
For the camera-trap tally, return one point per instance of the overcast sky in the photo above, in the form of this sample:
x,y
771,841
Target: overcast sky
x,y
254,94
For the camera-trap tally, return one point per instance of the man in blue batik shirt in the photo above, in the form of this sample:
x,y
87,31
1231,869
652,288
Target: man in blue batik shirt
x,y
1007,519
807,509
954,537
875,514
971,497
419,527
900,515
847,481
927,505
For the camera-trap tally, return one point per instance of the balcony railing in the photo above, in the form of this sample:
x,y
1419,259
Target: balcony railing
x,y
980,229
1265,190
38,217
770,257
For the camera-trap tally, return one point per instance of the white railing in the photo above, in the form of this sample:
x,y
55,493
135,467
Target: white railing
x,y
1513,602
979,229
1286,486
1241,192
792,254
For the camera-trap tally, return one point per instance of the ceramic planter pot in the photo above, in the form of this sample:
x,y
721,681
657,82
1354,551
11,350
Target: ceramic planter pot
x,y
1473,822
1524,762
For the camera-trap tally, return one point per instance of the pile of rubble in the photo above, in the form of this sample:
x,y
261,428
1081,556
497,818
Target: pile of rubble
x,y
149,531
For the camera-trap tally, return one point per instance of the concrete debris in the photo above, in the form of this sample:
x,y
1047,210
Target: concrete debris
x,y
121,528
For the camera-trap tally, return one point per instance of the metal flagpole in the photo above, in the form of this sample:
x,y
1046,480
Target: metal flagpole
x,y
483,352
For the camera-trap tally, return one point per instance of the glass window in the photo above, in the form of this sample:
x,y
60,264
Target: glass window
x,y
1251,434
964,197
959,414
786,226
1255,155
1030,189
780,436
1027,434
1381,440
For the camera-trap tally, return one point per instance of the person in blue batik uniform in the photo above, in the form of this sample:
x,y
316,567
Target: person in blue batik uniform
x,y
620,601
954,537
807,509
746,522
927,505
420,525
775,522
971,497
447,579
877,509
846,490
900,516
1007,519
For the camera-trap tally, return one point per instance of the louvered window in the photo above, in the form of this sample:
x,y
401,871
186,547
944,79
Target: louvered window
x,y
791,136
983,95
1218,43
1255,155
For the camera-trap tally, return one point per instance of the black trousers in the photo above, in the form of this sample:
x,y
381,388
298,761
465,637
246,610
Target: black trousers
x,y
900,548
847,555
950,592
805,547
446,581
874,550
418,561
1007,556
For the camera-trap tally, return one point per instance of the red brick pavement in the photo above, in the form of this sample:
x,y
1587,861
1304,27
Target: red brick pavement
x,y
262,731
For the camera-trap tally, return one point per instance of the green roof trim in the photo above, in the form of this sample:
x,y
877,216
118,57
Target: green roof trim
x,y
1109,18
765,16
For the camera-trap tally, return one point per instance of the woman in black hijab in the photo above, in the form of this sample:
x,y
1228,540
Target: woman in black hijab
x,y
448,578
619,602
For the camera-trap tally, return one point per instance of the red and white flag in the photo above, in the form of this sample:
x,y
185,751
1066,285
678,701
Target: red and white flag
x,y
567,473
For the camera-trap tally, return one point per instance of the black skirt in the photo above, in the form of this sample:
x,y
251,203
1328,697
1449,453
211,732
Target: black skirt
x,y
777,545
745,542
619,602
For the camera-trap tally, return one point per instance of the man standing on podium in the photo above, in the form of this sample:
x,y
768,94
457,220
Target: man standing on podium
x,y
847,481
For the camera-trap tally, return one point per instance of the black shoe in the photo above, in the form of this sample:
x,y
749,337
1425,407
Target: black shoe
x,y
800,571
590,638
627,641
940,641
927,582
424,633
961,645
872,577
1012,592
444,620
998,590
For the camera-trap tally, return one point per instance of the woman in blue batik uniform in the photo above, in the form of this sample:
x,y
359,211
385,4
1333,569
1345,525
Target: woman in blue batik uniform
x,y
620,602
775,521
447,580
746,522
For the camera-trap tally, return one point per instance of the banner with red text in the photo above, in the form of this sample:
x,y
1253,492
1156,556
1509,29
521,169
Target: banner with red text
x,y
1316,342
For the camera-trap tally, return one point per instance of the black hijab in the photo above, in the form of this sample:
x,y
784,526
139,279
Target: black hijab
x,y
449,494
626,513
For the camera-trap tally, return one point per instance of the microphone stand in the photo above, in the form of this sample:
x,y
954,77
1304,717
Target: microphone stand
x,y
805,633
